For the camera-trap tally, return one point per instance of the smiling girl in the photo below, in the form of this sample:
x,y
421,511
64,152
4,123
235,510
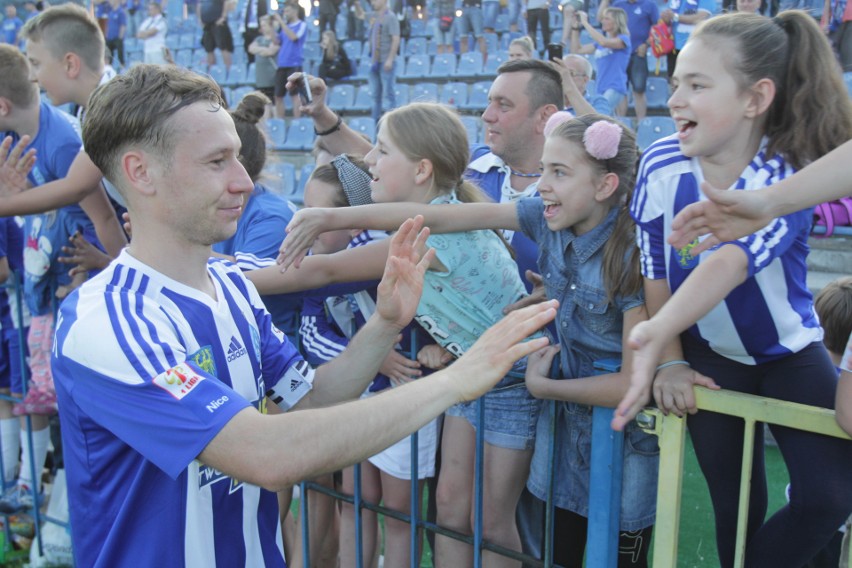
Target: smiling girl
x,y
588,260
754,100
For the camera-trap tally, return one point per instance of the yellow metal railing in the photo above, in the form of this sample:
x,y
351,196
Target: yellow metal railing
x,y
671,431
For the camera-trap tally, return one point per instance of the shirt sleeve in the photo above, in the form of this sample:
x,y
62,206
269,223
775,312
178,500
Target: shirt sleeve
x,y
529,211
169,418
647,210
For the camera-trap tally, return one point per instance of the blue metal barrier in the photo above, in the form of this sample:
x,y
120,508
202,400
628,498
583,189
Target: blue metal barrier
x,y
604,498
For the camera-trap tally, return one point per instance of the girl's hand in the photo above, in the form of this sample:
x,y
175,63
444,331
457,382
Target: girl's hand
x,y
302,230
728,215
434,357
674,389
399,368
15,165
647,346
538,370
318,90
584,18
84,255
537,295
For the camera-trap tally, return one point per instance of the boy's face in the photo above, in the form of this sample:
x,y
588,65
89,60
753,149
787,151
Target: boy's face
x,y
49,72
11,11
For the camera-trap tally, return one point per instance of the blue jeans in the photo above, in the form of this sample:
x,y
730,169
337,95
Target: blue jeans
x,y
613,97
383,84
490,9
515,15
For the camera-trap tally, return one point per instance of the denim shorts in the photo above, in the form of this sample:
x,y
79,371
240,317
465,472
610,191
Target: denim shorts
x,y
470,20
573,459
637,73
511,414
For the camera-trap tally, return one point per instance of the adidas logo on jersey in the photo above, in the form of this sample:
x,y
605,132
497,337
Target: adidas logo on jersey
x,y
235,350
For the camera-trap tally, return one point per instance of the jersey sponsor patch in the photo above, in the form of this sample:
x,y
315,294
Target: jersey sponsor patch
x,y
179,380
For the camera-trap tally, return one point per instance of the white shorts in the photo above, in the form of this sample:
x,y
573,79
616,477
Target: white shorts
x,y
396,460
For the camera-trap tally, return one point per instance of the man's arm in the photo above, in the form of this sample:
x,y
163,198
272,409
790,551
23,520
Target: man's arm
x,y
99,210
338,140
278,451
392,55
730,215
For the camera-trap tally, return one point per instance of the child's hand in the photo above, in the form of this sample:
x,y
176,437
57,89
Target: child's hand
x,y
728,215
302,230
536,296
538,370
399,368
647,348
434,356
15,165
127,228
84,255
674,389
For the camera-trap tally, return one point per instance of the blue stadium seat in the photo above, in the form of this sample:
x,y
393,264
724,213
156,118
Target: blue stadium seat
x,y
418,27
424,92
491,42
470,65
471,124
236,75
415,46
502,24
454,94
277,130
365,125
652,128
187,41
251,74
362,70
304,175
416,67
183,57
353,48
172,41
300,134
507,38
478,97
662,62
489,68
237,93
403,94
443,67
364,98
280,178
218,73
657,92
341,97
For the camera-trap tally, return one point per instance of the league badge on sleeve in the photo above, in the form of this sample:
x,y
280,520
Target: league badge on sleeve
x,y
179,380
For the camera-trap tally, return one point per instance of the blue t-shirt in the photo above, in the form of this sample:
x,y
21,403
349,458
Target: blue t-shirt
x,y
612,67
291,53
260,230
11,248
641,16
680,30
170,368
11,26
771,314
116,19
492,175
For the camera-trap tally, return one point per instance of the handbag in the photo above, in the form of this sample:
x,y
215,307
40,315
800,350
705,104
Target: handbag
x,y
837,213
661,39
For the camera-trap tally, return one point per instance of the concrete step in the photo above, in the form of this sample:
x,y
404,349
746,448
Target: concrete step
x,y
829,260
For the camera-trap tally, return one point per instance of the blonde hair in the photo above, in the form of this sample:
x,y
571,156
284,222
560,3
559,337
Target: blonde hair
x,y
620,17
433,132
525,43
333,46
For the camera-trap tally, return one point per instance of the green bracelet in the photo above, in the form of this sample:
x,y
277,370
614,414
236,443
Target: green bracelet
x,y
671,364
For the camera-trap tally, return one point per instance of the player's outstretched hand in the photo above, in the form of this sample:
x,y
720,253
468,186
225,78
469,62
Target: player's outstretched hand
x,y
302,230
15,165
492,356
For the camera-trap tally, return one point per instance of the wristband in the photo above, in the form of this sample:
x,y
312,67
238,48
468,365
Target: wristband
x,y
671,364
331,130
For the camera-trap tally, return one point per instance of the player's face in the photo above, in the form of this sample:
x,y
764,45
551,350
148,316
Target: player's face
x,y
508,125
49,72
200,194
393,173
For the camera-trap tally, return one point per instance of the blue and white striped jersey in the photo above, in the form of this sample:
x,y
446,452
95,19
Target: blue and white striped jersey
x,y
147,372
768,316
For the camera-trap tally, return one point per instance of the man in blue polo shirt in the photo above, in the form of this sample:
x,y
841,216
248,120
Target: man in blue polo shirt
x,y
116,27
641,15
11,25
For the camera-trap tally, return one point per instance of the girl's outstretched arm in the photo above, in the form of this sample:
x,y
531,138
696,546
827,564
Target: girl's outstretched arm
x,y
309,222
350,265
656,341
729,215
